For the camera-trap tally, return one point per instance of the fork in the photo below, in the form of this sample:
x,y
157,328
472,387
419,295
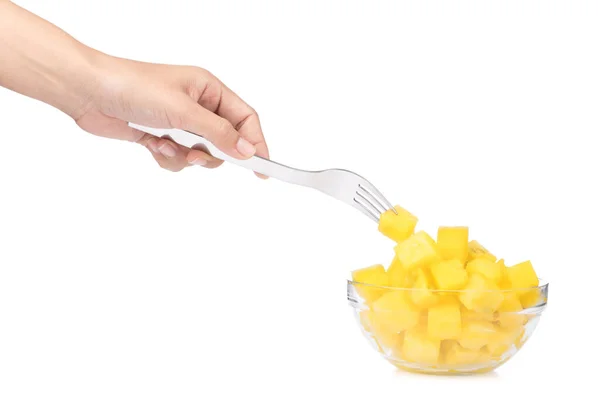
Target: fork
x,y
340,184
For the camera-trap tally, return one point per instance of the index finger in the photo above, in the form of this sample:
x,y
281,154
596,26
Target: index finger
x,y
244,119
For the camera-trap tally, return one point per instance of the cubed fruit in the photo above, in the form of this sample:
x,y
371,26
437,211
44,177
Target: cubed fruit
x,y
531,298
501,343
497,350
521,338
522,275
449,298
458,356
396,311
484,356
399,277
416,251
469,315
453,243
373,278
476,334
477,250
386,337
421,293
364,316
418,347
444,321
508,316
396,349
449,274
445,347
504,283
481,295
487,268
397,227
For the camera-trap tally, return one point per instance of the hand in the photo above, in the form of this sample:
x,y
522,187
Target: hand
x,y
104,93
164,96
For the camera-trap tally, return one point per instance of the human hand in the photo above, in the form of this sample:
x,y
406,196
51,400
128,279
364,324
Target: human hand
x,y
166,96
103,93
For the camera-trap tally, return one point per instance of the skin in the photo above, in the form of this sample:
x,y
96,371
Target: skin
x,y
102,93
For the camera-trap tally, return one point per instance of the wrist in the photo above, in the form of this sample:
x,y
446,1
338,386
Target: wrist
x,y
77,81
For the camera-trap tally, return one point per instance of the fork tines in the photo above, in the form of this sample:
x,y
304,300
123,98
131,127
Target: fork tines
x,y
371,202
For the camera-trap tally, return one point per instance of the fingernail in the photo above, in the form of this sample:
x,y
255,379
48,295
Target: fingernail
x,y
199,161
167,150
152,145
245,148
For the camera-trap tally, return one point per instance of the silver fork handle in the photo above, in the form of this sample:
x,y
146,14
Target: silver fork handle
x,y
257,164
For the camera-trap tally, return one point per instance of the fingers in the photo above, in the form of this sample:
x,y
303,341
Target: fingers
x,y
167,153
216,129
174,157
244,119
201,156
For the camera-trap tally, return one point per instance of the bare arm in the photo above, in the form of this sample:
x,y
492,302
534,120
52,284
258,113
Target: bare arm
x,y
41,61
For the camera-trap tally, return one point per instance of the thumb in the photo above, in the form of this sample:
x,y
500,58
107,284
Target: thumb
x,y
217,130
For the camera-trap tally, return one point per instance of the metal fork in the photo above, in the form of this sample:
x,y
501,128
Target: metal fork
x,y
341,184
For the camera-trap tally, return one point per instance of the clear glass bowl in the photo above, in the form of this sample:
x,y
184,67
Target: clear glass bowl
x,y
474,342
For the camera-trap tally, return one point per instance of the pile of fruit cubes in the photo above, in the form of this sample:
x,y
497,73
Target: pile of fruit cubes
x,y
452,302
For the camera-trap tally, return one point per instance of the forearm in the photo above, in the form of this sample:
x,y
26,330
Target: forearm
x,y
39,60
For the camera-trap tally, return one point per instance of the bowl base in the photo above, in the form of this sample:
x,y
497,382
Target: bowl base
x,y
441,370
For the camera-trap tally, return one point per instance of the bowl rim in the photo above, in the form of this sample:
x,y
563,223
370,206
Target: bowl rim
x,y
543,285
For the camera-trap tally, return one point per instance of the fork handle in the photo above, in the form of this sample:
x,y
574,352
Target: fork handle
x,y
257,164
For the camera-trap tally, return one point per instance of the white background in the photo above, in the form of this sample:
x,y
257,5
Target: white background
x,y
124,284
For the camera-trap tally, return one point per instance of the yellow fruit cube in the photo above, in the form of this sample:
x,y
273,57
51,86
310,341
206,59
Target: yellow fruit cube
x,y
501,343
418,347
531,298
487,268
446,346
497,350
373,278
476,334
522,275
385,336
364,317
373,275
399,277
444,321
416,251
396,350
458,356
504,283
521,338
421,293
396,311
423,321
508,316
397,227
453,243
477,250
451,297
449,274
484,356
469,315
481,295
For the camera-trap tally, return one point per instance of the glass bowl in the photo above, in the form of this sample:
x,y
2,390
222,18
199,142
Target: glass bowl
x,y
444,337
